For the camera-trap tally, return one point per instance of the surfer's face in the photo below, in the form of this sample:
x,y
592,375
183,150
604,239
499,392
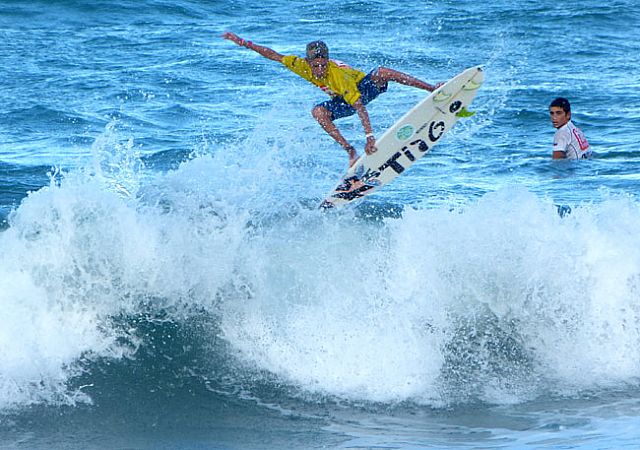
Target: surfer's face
x,y
319,67
558,117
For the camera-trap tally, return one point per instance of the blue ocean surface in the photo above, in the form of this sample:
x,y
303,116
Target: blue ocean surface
x,y
167,281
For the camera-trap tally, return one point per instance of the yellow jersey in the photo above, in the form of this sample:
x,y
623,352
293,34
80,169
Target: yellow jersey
x,y
340,80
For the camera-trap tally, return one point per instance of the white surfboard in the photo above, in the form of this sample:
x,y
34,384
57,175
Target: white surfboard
x,y
409,139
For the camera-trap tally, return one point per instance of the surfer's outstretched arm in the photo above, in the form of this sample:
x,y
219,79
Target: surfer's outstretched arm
x,y
384,74
260,49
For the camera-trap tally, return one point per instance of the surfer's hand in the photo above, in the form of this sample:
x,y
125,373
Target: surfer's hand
x,y
232,37
370,146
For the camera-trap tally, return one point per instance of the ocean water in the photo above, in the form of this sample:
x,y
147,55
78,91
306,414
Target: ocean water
x,y
167,282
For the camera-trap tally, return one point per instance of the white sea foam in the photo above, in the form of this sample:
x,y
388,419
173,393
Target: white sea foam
x,y
497,299
376,313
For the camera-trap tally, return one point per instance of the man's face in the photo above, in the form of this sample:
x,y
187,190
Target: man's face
x,y
319,67
558,117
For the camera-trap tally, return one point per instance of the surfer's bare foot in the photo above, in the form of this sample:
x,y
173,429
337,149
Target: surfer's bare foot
x,y
353,155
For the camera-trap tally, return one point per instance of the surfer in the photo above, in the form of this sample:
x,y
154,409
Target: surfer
x,y
569,141
350,89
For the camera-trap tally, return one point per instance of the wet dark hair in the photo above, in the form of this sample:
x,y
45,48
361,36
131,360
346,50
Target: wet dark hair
x,y
317,49
562,103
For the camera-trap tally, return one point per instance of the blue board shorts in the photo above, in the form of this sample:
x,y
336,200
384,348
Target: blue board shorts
x,y
368,91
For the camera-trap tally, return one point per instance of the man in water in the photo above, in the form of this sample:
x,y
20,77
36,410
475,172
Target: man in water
x,y
569,141
350,89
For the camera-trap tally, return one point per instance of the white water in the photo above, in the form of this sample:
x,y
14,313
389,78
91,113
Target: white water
x,y
502,295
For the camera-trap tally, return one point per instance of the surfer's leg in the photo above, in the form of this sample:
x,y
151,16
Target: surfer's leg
x,y
325,119
383,75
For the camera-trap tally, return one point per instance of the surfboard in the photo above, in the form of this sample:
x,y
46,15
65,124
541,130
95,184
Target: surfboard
x,y
409,139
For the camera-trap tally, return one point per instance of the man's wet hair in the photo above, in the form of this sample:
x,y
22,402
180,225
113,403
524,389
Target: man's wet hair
x,y
562,103
317,49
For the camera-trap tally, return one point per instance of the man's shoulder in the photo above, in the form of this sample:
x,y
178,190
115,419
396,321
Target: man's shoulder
x,y
561,137
577,128
340,70
339,64
293,61
564,129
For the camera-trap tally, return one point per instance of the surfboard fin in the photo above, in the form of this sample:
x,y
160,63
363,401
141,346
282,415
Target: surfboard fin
x,y
464,112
